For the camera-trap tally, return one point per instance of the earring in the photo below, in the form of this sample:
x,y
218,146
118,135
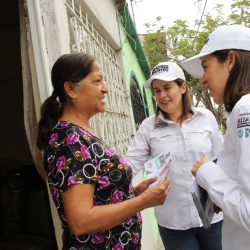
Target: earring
x,y
74,99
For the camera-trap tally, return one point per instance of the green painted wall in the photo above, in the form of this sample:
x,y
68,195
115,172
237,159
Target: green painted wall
x,y
134,59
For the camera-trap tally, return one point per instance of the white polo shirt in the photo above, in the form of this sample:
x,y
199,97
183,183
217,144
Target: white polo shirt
x,y
228,182
197,137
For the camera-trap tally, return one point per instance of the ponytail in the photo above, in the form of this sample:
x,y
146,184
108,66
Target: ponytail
x,y
51,111
68,67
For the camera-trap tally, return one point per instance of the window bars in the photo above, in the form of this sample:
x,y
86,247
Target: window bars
x,y
115,125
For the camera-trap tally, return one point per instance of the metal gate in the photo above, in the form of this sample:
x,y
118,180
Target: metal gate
x,y
115,125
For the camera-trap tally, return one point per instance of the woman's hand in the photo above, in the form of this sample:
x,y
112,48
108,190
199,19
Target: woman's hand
x,y
155,195
143,185
198,164
217,209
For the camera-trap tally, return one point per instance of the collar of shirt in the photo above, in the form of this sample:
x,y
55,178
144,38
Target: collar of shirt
x,y
162,122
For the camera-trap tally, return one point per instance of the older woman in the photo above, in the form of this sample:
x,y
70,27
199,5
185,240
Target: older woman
x,y
89,182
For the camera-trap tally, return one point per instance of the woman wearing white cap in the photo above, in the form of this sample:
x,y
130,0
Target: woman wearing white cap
x,y
188,133
224,66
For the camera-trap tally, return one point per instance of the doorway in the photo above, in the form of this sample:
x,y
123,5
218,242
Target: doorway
x,y
25,219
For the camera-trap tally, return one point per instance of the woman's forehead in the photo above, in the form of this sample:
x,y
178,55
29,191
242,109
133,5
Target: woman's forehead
x,y
159,83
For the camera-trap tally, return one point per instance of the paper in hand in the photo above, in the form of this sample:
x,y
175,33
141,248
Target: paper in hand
x,y
158,166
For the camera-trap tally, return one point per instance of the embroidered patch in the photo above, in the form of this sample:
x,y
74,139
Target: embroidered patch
x,y
243,120
243,125
240,133
244,132
160,125
160,69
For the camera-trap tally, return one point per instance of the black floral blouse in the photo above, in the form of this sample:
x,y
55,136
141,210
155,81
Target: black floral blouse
x,y
74,156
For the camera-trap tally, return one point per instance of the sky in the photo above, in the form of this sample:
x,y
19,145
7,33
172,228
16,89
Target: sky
x,y
170,10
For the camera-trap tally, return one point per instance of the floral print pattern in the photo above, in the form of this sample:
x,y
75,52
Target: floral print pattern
x,y
75,156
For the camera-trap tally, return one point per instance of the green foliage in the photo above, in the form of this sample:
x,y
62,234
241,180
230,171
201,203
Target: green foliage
x,y
155,42
155,45
179,42
240,12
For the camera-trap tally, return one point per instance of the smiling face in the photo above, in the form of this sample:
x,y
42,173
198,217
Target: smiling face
x,y
90,92
168,95
215,76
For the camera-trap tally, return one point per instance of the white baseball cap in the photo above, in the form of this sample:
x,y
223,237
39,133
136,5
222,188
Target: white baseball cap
x,y
166,71
224,37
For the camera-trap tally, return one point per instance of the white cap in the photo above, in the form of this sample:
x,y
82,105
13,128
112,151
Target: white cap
x,y
224,37
166,71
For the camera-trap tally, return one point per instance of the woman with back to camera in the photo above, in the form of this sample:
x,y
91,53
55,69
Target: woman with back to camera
x,y
188,133
90,183
224,68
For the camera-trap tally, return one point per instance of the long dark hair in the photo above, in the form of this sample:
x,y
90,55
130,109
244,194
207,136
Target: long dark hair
x,y
68,67
238,83
186,103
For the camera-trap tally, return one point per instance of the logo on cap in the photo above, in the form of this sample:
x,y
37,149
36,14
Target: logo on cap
x,y
160,69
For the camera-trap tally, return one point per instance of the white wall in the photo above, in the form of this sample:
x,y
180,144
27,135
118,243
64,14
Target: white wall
x,y
103,14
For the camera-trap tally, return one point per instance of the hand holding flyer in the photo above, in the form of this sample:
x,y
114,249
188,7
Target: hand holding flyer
x,y
158,166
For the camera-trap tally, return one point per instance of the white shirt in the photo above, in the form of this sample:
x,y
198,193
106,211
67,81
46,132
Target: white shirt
x,y
197,137
229,183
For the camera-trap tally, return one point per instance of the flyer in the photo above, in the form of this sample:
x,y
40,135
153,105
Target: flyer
x,y
158,166
203,203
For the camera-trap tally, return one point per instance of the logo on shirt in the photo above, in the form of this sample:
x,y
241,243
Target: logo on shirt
x,y
243,121
243,125
244,132
160,124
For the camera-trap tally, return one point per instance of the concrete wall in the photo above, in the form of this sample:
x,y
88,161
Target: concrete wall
x,y
103,14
